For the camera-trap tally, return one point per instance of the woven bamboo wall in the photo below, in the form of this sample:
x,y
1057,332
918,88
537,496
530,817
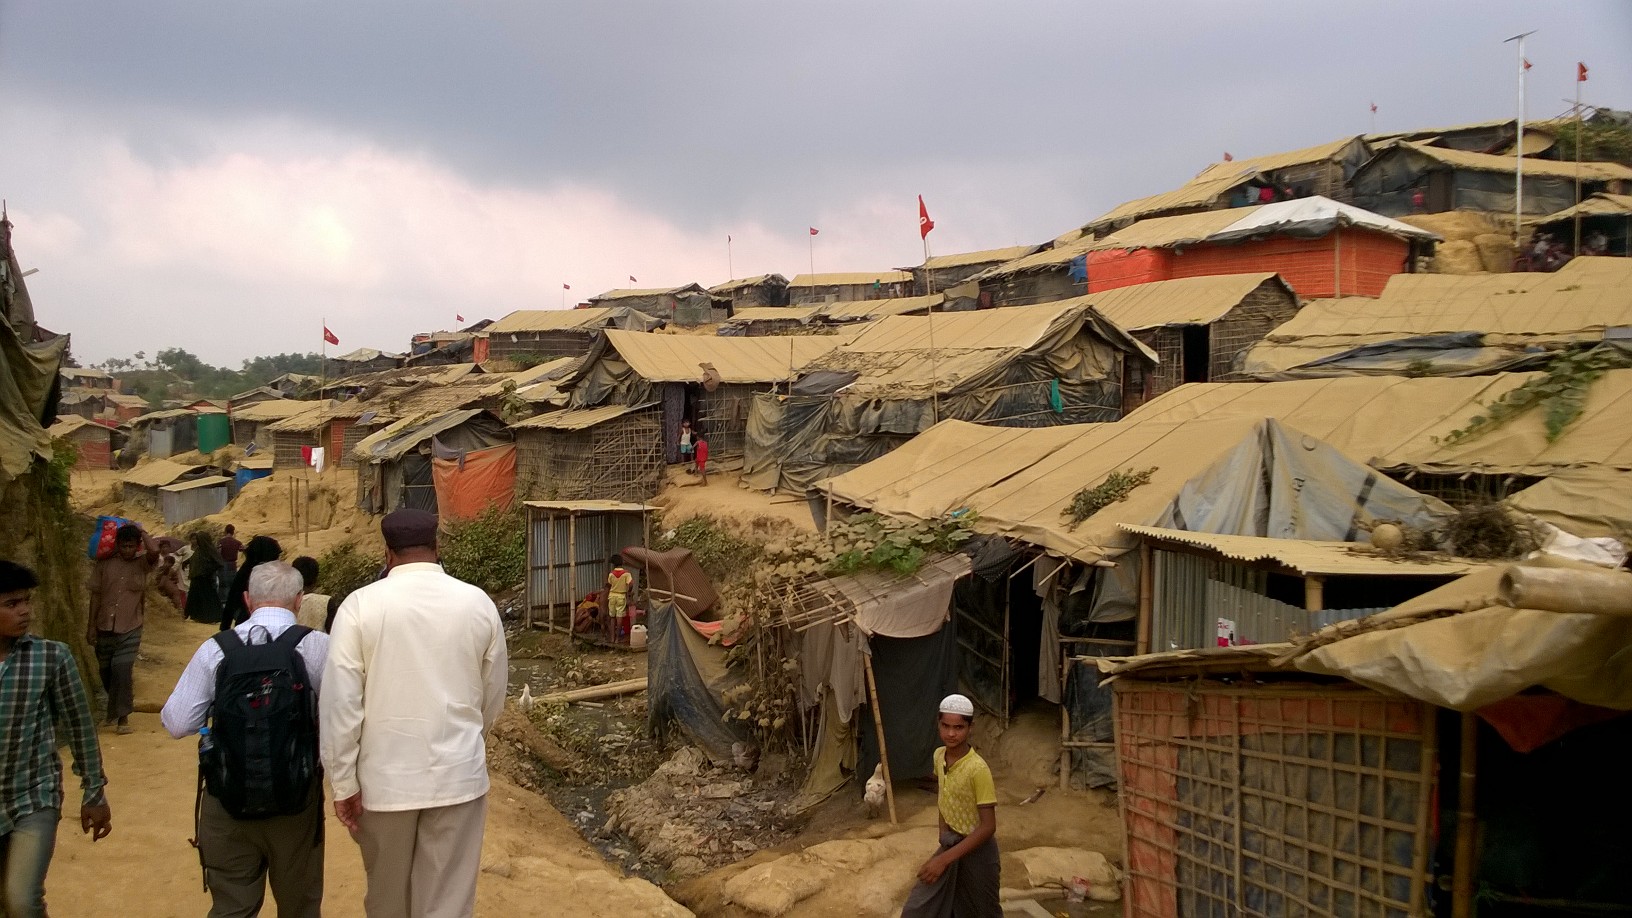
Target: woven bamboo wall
x,y
621,459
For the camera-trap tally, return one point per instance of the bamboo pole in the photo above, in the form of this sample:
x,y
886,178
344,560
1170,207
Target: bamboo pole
x,y
1147,599
1464,867
1314,593
593,692
878,727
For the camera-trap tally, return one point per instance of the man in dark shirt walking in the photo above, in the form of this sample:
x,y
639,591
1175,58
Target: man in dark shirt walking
x,y
118,611
229,547
40,692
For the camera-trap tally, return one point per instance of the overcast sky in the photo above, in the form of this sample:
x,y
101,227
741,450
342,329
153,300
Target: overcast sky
x,y
222,176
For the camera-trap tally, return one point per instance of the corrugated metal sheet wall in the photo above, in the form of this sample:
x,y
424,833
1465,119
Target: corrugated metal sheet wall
x,y
568,555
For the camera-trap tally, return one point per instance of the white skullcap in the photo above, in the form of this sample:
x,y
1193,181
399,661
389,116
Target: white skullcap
x,y
957,704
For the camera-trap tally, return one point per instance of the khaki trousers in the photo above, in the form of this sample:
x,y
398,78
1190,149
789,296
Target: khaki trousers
x,y
423,863
241,855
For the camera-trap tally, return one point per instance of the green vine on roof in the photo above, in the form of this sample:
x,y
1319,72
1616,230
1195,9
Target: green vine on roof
x,y
1116,487
1560,392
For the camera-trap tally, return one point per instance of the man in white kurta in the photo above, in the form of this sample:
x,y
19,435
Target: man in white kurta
x,y
415,678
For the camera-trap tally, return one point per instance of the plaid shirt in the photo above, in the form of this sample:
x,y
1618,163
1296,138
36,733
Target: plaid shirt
x,y
40,693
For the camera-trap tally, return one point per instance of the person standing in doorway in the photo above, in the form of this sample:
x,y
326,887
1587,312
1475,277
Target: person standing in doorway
x,y
42,704
415,679
228,549
688,443
118,611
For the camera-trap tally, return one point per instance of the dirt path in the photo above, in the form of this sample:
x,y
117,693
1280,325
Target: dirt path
x,y
534,862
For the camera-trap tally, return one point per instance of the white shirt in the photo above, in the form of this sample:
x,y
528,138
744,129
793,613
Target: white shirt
x,y
416,677
189,704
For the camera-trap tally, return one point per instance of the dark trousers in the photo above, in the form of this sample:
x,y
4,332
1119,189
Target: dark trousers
x,y
967,889
224,577
241,855
116,662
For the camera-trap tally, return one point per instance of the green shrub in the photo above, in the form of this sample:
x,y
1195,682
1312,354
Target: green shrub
x,y
343,569
720,553
489,551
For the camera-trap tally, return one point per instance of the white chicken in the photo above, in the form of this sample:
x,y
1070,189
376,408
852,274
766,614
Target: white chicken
x,y
525,702
874,795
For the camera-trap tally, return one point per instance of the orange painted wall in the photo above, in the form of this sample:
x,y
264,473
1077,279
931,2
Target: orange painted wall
x,y
1348,263
1115,268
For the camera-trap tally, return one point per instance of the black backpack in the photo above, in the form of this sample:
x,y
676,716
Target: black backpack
x,y
262,760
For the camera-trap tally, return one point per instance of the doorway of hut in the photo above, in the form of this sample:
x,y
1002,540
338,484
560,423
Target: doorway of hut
x,y
999,628
1197,348
1550,808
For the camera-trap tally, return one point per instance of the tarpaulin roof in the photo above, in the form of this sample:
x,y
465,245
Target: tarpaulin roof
x,y
157,473
67,425
755,281
633,294
1602,204
1310,557
679,358
273,409
1184,301
82,373
1218,179
1045,260
843,310
400,438
579,418
1590,503
127,401
532,320
365,354
1180,229
987,256
851,278
947,349
589,506
163,415
1487,162
1313,215
1239,475
1393,422
1575,304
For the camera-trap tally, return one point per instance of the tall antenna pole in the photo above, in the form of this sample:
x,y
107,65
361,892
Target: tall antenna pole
x,y
1518,145
1577,249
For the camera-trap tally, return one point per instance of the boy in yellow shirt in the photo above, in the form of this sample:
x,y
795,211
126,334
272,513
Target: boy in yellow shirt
x,y
962,879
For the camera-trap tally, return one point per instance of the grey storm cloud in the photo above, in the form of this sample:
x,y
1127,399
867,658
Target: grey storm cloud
x,y
1016,121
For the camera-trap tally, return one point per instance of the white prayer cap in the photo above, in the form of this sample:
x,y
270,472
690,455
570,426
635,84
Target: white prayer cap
x,y
957,704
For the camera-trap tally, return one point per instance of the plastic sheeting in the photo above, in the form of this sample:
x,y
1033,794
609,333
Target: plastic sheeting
x,y
686,680
467,487
677,572
913,675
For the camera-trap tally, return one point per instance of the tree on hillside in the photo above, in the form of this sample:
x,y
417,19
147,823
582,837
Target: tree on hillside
x,y
1601,142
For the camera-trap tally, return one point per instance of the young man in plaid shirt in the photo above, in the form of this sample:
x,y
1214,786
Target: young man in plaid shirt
x,y
40,692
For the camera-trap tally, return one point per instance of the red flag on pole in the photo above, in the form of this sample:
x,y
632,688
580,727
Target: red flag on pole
x,y
924,223
632,279
566,286
1526,61
329,336
458,318
1580,72
1374,108
814,231
1227,156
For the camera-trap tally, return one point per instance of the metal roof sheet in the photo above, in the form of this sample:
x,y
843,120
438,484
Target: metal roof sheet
x,y
1309,557
212,481
256,463
851,278
551,320
1184,301
579,419
589,506
679,358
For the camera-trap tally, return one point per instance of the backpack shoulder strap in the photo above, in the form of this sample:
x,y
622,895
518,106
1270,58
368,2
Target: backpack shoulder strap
x,y
292,636
228,640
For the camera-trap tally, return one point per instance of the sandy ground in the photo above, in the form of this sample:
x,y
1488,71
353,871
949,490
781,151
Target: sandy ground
x,y
535,863
685,497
